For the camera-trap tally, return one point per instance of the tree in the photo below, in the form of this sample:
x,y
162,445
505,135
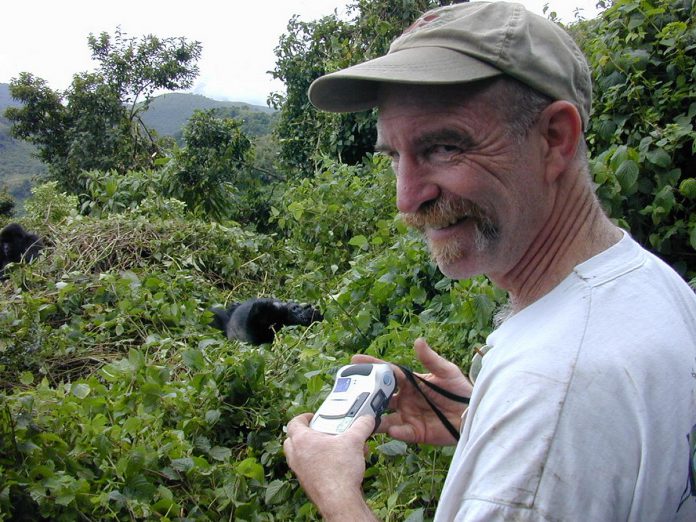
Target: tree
x,y
210,168
309,50
95,123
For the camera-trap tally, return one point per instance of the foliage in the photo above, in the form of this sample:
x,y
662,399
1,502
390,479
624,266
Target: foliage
x,y
343,210
7,202
209,175
311,49
254,122
48,205
95,123
111,192
138,67
204,172
643,56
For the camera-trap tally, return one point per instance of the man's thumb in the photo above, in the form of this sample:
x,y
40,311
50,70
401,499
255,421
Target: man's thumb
x,y
363,426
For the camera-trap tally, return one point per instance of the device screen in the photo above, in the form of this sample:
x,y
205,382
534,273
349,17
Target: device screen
x,y
342,384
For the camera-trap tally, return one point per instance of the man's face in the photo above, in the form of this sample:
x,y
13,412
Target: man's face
x,y
475,191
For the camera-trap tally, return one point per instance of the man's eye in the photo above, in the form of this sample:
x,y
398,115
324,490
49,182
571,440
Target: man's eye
x,y
444,149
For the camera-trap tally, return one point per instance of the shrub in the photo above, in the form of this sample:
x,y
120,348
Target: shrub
x,y
643,61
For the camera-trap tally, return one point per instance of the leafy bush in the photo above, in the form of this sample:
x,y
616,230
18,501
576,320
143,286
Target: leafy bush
x,y
643,57
324,221
48,205
204,173
109,192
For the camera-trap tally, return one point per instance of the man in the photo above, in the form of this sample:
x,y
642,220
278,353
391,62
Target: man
x,y
585,404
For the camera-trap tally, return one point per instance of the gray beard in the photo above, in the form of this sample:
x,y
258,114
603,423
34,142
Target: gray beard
x,y
445,211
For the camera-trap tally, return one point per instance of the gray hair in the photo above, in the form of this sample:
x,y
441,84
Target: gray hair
x,y
520,106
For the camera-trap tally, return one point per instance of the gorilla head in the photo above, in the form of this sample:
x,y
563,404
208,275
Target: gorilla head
x,y
255,321
17,245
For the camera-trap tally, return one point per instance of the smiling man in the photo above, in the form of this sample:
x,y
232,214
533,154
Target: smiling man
x,y
585,404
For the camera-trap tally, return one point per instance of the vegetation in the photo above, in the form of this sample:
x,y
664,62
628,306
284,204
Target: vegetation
x,y
18,165
309,50
165,118
643,55
168,113
95,124
118,401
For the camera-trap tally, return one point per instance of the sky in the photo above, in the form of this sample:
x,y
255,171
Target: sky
x,y
48,38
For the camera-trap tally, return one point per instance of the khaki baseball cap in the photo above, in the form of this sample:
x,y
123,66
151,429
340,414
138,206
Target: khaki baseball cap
x,y
464,43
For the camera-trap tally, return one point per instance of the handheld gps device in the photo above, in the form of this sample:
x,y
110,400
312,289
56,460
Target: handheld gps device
x,y
360,389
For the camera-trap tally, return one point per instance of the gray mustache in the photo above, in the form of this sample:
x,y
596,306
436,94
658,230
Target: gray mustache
x,y
442,212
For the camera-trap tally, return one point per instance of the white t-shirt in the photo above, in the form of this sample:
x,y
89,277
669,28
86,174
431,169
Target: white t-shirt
x,y
585,406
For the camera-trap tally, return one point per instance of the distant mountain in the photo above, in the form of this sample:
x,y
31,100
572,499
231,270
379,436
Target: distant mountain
x,y
167,114
18,165
5,99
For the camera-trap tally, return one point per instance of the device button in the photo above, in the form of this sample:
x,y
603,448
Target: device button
x,y
387,379
357,369
378,402
356,405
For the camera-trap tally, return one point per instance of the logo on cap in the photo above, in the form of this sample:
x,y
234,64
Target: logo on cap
x,y
431,20
422,22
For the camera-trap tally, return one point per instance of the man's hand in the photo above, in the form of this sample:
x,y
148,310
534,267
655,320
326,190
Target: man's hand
x,y
413,419
330,468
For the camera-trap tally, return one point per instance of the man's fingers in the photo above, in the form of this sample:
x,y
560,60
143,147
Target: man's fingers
x,y
404,432
360,358
433,362
363,427
299,422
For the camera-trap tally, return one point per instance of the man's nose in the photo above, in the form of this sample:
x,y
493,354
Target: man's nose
x,y
414,185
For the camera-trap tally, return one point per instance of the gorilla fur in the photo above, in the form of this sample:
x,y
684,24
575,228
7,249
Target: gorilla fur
x,y
256,320
16,244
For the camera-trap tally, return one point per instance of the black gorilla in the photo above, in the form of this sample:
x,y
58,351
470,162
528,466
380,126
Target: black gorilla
x,y
16,244
256,320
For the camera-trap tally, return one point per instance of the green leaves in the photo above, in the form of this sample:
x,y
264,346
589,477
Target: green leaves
x,y
207,171
250,468
309,49
642,134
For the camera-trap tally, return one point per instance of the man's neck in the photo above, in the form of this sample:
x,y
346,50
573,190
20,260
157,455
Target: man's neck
x,y
577,230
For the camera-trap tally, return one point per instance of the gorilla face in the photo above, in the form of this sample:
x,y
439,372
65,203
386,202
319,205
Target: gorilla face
x,y
255,321
302,314
17,245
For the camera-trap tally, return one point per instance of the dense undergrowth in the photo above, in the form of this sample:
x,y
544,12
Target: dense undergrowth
x,y
118,400
121,402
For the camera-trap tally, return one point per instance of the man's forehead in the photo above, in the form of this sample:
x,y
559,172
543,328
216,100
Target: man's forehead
x,y
435,110
427,94
416,95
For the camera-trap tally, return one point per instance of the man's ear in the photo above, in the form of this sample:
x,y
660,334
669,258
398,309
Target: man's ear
x,y
560,126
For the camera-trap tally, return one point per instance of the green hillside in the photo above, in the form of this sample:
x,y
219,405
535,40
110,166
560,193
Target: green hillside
x,y
168,113
18,166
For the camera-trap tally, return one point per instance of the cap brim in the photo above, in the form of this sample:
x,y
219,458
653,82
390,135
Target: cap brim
x,y
356,88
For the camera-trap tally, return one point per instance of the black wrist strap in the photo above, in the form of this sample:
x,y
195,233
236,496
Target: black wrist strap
x,y
445,393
